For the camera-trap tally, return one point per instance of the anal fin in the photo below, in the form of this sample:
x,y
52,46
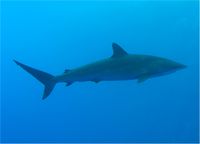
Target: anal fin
x,y
96,81
142,78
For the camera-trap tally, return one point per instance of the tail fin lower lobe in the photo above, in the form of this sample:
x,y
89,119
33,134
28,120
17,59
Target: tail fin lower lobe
x,y
43,77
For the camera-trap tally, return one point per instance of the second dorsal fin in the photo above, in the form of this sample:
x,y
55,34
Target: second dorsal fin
x,y
118,51
66,70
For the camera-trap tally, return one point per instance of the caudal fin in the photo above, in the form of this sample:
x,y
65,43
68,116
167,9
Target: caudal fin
x,y
45,78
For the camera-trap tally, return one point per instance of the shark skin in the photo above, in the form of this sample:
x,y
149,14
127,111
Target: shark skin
x,y
120,66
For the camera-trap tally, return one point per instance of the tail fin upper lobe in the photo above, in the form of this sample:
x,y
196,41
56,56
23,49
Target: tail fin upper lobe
x,y
45,78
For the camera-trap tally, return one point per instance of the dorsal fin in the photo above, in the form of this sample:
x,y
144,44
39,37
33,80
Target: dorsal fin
x,y
118,51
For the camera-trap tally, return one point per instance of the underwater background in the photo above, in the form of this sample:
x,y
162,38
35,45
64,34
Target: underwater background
x,y
56,35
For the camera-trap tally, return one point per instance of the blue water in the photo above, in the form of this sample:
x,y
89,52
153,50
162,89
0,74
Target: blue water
x,y
56,35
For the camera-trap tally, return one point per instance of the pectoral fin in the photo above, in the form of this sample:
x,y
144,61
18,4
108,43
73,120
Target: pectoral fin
x,y
68,83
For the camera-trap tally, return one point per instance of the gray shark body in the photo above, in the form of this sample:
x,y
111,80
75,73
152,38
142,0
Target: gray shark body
x,y
120,66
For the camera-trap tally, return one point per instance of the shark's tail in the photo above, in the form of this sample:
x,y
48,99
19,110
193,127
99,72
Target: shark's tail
x,y
45,78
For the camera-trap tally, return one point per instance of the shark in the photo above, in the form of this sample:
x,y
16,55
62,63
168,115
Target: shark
x,y
119,66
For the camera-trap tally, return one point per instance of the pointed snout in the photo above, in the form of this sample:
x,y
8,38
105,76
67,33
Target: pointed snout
x,y
181,66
